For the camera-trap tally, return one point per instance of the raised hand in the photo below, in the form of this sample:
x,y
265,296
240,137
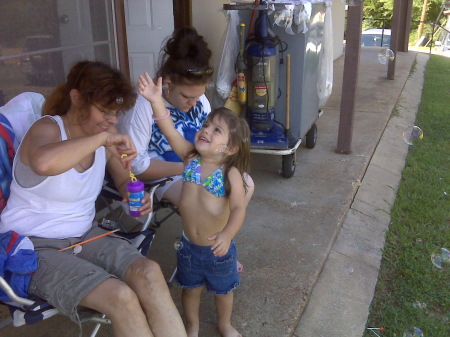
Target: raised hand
x,y
151,91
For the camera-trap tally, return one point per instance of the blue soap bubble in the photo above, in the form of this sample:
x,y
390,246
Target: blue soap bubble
x,y
412,135
414,332
385,55
221,149
441,258
178,245
419,305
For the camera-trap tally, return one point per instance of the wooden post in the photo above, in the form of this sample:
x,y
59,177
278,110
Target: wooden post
x,y
350,78
394,39
122,45
405,25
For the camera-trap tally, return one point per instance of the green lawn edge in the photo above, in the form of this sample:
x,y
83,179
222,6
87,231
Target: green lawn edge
x,y
419,224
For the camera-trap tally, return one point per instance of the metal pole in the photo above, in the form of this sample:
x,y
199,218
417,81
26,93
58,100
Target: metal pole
x,y
394,39
350,78
433,30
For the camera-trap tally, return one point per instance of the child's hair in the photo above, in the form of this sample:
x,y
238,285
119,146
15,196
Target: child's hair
x,y
97,83
185,58
239,137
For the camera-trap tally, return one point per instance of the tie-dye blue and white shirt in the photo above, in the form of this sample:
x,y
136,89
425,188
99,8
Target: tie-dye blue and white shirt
x,y
148,139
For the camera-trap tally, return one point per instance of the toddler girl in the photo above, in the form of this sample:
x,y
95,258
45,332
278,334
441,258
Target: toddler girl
x,y
212,205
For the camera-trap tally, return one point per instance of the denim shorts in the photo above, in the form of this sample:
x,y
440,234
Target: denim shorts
x,y
197,266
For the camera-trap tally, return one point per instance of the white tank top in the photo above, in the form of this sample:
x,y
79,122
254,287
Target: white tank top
x,y
58,207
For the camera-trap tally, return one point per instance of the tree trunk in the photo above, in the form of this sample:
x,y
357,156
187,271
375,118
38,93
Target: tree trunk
x,y
422,19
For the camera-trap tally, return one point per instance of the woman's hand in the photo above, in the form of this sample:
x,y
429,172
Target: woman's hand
x,y
146,202
146,207
152,92
119,145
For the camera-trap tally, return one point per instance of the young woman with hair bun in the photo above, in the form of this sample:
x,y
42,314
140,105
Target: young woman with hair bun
x,y
185,70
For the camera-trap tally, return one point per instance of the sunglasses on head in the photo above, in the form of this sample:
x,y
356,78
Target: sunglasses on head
x,y
199,72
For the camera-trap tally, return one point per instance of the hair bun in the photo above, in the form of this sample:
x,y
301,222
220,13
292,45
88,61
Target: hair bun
x,y
187,43
184,50
192,51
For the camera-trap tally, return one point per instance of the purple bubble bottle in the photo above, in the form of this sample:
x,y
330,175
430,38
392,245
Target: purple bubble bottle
x,y
135,189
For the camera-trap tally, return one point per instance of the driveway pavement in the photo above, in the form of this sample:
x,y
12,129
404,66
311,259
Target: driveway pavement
x,y
311,245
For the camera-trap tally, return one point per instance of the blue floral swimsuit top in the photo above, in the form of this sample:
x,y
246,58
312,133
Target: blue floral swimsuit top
x,y
214,183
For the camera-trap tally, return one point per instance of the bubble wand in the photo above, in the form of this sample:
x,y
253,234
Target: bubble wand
x,y
89,240
132,176
373,330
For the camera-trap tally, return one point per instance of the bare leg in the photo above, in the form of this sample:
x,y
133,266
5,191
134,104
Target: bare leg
x,y
224,307
116,300
147,280
191,307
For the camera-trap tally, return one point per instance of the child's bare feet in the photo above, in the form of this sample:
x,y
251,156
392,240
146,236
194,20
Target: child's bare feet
x,y
228,331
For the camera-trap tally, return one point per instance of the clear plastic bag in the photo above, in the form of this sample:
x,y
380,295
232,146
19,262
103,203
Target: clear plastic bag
x,y
284,19
226,72
325,80
294,16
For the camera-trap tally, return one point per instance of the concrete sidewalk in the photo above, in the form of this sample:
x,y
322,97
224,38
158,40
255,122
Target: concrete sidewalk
x,y
340,301
311,244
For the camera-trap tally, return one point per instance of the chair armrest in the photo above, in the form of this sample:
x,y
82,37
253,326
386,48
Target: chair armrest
x,y
12,295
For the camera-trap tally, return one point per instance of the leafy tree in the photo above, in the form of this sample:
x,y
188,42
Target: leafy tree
x,y
378,13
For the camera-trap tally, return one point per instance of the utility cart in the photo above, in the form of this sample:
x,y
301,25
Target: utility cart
x,y
281,65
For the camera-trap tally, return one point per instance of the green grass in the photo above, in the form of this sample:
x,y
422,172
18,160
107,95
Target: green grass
x,y
420,223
